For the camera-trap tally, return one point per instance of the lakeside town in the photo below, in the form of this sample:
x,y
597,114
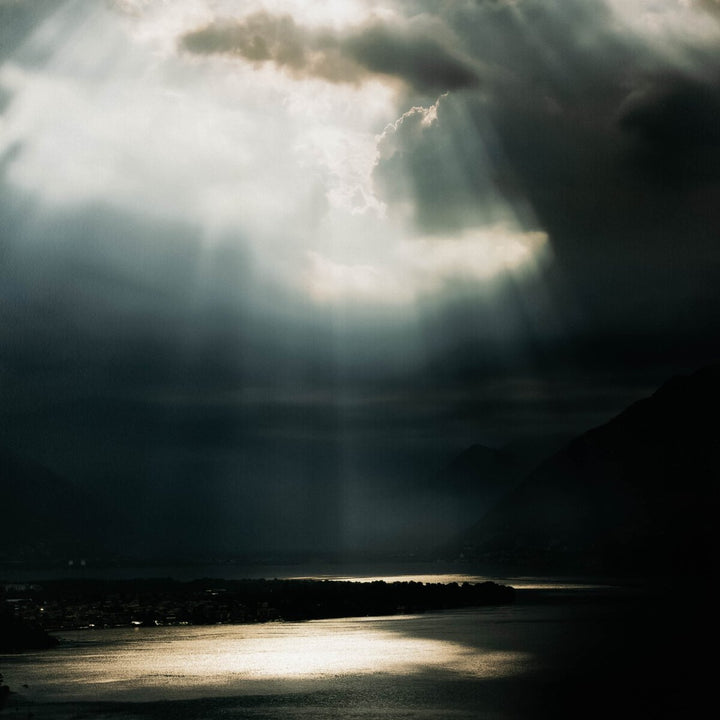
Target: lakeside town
x,y
86,604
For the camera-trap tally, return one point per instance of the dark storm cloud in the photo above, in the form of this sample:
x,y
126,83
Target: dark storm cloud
x,y
419,53
413,54
278,39
599,132
443,168
576,86
673,122
710,6
133,357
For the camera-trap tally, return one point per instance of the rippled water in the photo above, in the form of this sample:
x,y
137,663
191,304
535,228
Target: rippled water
x,y
583,655
172,662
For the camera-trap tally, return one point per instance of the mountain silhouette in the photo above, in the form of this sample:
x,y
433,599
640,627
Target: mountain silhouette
x,y
637,494
479,470
45,517
442,502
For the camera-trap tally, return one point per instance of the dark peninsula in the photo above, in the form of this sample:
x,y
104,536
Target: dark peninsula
x,y
75,604
17,634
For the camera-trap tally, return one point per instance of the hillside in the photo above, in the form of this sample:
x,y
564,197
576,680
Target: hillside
x,y
44,516
634,495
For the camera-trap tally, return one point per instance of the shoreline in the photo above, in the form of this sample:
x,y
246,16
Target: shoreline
x,y
573,643
55,606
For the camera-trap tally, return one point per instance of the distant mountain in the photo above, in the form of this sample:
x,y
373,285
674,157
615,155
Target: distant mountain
x,y
462,490
479,471
638,494
43,516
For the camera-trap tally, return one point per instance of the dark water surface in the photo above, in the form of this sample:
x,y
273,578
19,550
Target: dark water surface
x,y
578,650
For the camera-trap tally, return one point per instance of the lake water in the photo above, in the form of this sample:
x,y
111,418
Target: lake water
x,y
562,650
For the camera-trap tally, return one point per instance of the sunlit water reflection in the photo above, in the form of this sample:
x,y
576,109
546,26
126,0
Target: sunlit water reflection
x,y
537,658
172,662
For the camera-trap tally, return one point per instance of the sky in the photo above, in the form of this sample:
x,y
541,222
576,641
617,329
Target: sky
x,y
267,266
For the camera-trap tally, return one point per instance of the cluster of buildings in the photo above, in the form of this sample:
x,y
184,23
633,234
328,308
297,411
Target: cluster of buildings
x,y
51,611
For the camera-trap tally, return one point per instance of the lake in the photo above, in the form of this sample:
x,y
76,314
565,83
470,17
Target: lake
x,y
562,650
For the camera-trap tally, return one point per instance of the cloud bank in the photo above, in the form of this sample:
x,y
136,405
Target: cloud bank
x,y
418,52
306,250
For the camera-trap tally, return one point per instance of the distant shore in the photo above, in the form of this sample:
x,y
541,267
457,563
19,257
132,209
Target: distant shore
x,y
94,603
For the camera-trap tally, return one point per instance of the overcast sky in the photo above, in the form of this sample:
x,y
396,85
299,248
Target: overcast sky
x,y
267,264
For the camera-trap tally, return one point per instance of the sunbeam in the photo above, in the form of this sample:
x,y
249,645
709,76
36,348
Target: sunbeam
x,y
286,166
291,250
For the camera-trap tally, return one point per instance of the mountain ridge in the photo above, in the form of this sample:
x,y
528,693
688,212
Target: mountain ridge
x,y
632,495
46,517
